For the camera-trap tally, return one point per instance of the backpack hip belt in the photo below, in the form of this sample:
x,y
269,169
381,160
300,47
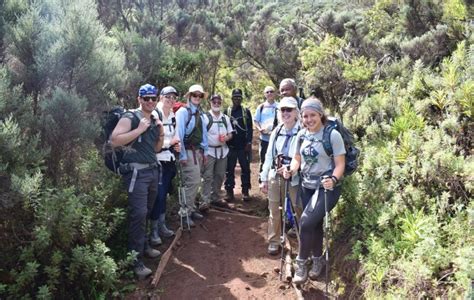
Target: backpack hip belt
x,y
140,166
193,149
215,150
135,167
317,178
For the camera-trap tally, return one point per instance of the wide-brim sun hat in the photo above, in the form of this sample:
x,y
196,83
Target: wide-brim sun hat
x,y
196,88
289,102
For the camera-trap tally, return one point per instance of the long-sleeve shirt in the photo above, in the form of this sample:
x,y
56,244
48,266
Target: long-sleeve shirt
x,y
282,142
169,131
182,116
243,131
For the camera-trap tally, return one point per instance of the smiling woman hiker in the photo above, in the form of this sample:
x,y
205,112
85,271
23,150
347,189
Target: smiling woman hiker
x,y
193,156
166,157
315,164
278,156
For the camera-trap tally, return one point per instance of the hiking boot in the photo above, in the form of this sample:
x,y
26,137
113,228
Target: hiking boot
x,y
229,195
141,271
301,271
220,203
245,195
273,249
185,222
152,253
204,207
196,216
318,264
164,231
155,239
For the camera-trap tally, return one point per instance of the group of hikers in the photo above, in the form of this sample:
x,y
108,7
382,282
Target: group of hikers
x,y
165,139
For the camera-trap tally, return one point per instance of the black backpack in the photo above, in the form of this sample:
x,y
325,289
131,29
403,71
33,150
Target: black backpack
x,y
352,153
113,156
211,121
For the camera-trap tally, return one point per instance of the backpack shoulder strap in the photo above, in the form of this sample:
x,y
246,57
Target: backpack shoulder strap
x,y
327,139
280,127
244,116
136,117
224,121
211,120
260,107
275,119
160,115
302,137
190,115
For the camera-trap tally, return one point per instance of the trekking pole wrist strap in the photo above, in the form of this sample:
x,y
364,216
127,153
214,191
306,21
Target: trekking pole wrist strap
x,y
334,179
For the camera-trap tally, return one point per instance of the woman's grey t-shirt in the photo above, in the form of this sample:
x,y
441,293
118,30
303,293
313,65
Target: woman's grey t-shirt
x,y
314,160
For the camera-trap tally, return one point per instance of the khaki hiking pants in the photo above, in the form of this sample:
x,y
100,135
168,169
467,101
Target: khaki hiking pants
x,y
191,180
213,177
276,191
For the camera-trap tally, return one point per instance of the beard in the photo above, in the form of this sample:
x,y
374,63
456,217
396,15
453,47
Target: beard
x,y
216,109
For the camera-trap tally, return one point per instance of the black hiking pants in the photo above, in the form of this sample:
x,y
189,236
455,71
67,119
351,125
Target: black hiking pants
x,y
242,156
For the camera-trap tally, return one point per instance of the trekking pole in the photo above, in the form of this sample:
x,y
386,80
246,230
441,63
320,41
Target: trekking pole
x,y
289,213
293,218
326,230
282,228
182,197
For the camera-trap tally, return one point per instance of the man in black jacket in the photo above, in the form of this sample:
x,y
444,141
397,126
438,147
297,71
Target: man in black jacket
x,y
240,146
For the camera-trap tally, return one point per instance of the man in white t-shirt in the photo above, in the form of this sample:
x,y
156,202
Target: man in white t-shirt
x,y
219,131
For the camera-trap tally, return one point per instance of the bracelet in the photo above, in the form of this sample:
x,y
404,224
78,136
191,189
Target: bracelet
x,y
334,179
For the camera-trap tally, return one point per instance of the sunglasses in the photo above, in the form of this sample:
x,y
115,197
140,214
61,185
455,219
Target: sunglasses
x,y
216,101
146,99
171,97
286,109
197,95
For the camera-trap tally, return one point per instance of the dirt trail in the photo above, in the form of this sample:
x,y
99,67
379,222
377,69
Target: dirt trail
x,y
225,257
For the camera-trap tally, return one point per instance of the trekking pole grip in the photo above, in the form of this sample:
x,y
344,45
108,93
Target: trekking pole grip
x,y
324,177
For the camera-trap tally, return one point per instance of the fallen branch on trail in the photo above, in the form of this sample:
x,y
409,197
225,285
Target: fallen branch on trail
x,y
233,212
298,291
164,259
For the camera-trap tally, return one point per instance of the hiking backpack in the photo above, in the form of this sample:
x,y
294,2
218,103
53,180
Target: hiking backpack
x,y
244,116
114,155
192,136
352,153
211,121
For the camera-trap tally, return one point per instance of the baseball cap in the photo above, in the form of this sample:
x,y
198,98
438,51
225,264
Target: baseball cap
x,y
236,93
168,90
147,90
289,102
